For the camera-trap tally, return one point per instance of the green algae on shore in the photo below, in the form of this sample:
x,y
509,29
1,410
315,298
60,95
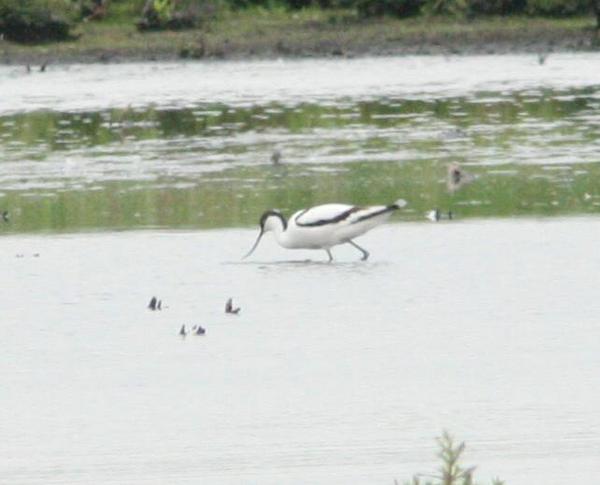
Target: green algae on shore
x,y
258,33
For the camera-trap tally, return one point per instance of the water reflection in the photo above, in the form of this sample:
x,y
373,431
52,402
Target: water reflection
x,y
534,152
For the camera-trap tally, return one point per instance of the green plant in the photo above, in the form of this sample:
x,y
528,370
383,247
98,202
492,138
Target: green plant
x,y
176,15
446,7
558,8
30,21
496,7
396,8
450,472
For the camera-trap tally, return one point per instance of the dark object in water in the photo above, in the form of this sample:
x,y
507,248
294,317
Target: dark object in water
x,y
155,304
5,216
457,177
200,331
229,308
182,331
276,157
43,67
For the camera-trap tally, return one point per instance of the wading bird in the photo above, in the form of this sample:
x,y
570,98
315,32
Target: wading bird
x,y
324,226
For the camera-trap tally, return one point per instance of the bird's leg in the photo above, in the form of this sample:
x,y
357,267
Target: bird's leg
x,y
364,252
329,254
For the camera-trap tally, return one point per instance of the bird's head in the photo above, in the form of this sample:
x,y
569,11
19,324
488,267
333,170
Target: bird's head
x,y
272,219
269,221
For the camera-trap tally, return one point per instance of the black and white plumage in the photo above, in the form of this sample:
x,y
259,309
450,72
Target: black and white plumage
x,y
324,226
436,215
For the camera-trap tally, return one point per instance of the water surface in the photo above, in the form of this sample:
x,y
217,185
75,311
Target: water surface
x,y
189,144
124,182
331,373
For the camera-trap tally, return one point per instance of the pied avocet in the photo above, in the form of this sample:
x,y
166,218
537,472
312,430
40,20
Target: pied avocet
x,y
324,226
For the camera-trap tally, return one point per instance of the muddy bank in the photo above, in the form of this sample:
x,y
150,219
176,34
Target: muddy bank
x,y
314,39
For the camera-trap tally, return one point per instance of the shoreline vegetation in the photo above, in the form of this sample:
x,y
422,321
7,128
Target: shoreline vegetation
x,y
257,32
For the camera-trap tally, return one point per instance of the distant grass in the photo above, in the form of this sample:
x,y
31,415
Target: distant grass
x,y
310,32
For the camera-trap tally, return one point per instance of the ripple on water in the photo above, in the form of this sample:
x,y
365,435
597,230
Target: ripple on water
x,y
377,136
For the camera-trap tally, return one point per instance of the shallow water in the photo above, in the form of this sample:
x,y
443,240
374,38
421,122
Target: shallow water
x,y
126,181
331,372
189,144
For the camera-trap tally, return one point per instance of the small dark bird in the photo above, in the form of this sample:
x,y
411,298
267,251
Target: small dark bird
x,y
153,304
182,331
5,216
276,157
200,331
542,58
43,67
28,68
457,177
159,305
229,308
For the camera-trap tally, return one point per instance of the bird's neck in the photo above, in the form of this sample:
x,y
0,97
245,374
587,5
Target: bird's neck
x,y
278,226
280,235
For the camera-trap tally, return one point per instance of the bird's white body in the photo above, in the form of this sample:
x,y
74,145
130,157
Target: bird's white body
x,y
325,226
304,230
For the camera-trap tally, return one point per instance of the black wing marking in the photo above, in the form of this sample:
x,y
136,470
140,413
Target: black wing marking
x,y
323,222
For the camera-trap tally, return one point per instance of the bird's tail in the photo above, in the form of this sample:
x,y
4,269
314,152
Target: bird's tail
x,y
375,211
